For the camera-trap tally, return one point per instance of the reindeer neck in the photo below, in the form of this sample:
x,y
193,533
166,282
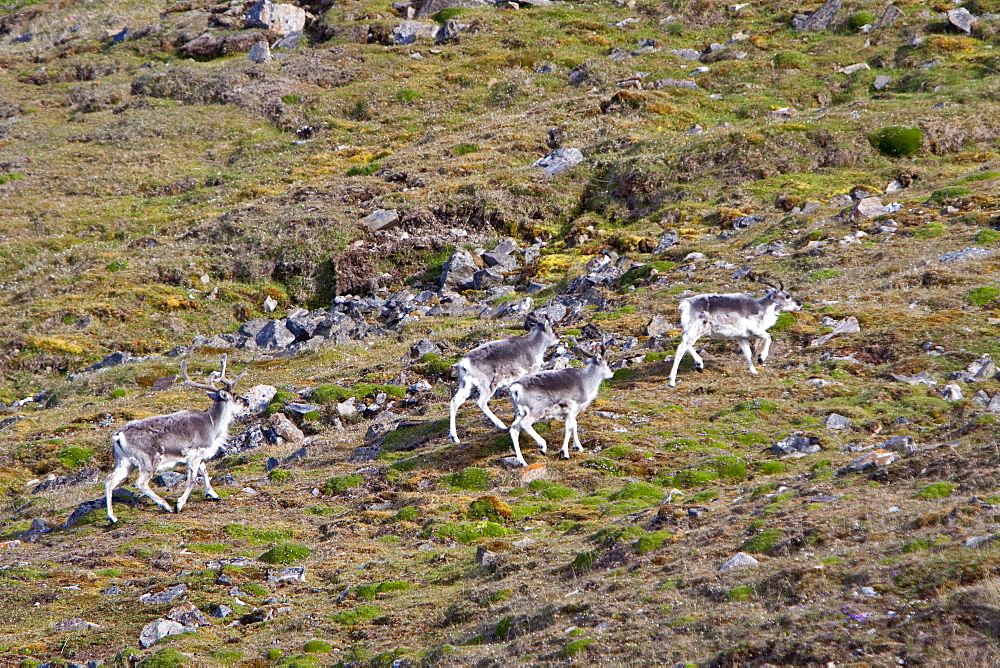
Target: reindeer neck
x,y
221,414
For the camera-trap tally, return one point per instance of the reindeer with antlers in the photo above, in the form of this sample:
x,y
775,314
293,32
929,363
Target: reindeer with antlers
x,y
732,316
159,443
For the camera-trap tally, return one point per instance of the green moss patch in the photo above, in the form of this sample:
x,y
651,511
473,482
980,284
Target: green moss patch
x,y
472,479
317,647
897,140
358,615
651,541
763,541
368,592
936,490
253,535
341,483
466,532
285,553
982,296
740,593
930,230
603,465
639,491
637,274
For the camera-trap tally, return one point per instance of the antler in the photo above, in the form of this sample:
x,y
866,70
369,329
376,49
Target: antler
x,y
229,383
214,377
191,383
769,283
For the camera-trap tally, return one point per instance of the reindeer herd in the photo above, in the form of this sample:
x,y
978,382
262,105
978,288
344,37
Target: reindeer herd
x,y
159,443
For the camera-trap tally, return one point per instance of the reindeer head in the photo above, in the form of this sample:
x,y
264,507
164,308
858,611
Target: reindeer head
x,y
217,394
596,358
781,298
543,327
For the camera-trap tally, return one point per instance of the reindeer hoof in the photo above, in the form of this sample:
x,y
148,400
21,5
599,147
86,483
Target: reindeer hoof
x,y
454,439
699,369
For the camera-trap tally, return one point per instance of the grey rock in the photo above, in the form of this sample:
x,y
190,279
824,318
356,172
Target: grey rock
x,y
169,595
280,18
559,160
675,83
994,405
259,397
486,278
657,325
520,307
667,240
916,41
188,615
408,32
882,80
904,445
891,14
86,476
381,219
260,52
252,328
449,32
874,459
965,254
458,271
961,19
424,347
505,246
980,370
114,359
743,222
113,590
922,378
275,336
420,386
283,427
502,261
292,574
980,541
169,479
535,288
951,392
869,207
686,54
289,41
819,19
157,630
841,200
981,399
484,557
739,560
303,409
221,611
796,443
74,624
837,422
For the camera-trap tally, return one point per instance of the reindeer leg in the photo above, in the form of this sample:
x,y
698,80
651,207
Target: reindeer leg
x,y
122,468
678,356
745,347
142,484
461,394
515,429
485,397
766,348
209,492
576,434
570,429
192,475
528,427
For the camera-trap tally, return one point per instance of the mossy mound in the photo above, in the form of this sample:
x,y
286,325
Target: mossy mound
x,y
285,553
897,140
341,483
490,507
936,490
472,479
763,541
641,491
368,592
317,647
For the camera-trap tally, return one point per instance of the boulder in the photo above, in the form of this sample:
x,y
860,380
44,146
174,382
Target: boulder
x,y
869,207
738,560
188,615
409,32
559,161
819,19
168,595
657,326
156,631
961,18
275,336
285,428
486,278
277,17
74,624
381,219
260,52
458,271
292,574
795,444
881,81
891,14
837,422
259,397
667,239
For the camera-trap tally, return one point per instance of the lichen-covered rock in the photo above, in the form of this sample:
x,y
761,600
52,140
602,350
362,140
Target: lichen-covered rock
x,y
280,18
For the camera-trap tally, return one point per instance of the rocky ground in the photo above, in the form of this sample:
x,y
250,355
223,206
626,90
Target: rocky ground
x,y
343,198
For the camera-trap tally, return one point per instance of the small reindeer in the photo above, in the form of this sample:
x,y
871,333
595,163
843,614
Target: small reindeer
x,y
566,392
731,316
161,442
497,364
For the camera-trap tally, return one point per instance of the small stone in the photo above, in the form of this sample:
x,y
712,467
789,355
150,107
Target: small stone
x,y
188,615
961,19
484,557
951,392
819,19
869,207
667,240
74,624
286,575
259,397
280,18
881,81
260,52
837,422
510,463
874,459
221,611
891,14
904,445
285,428
156,631
687,54
738,560
559,161
269,305
169,595
856,67
347,408
533,472
657,326
381,219
420,386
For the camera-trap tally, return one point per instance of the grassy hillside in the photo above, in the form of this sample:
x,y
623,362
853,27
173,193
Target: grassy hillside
x,y
147,197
